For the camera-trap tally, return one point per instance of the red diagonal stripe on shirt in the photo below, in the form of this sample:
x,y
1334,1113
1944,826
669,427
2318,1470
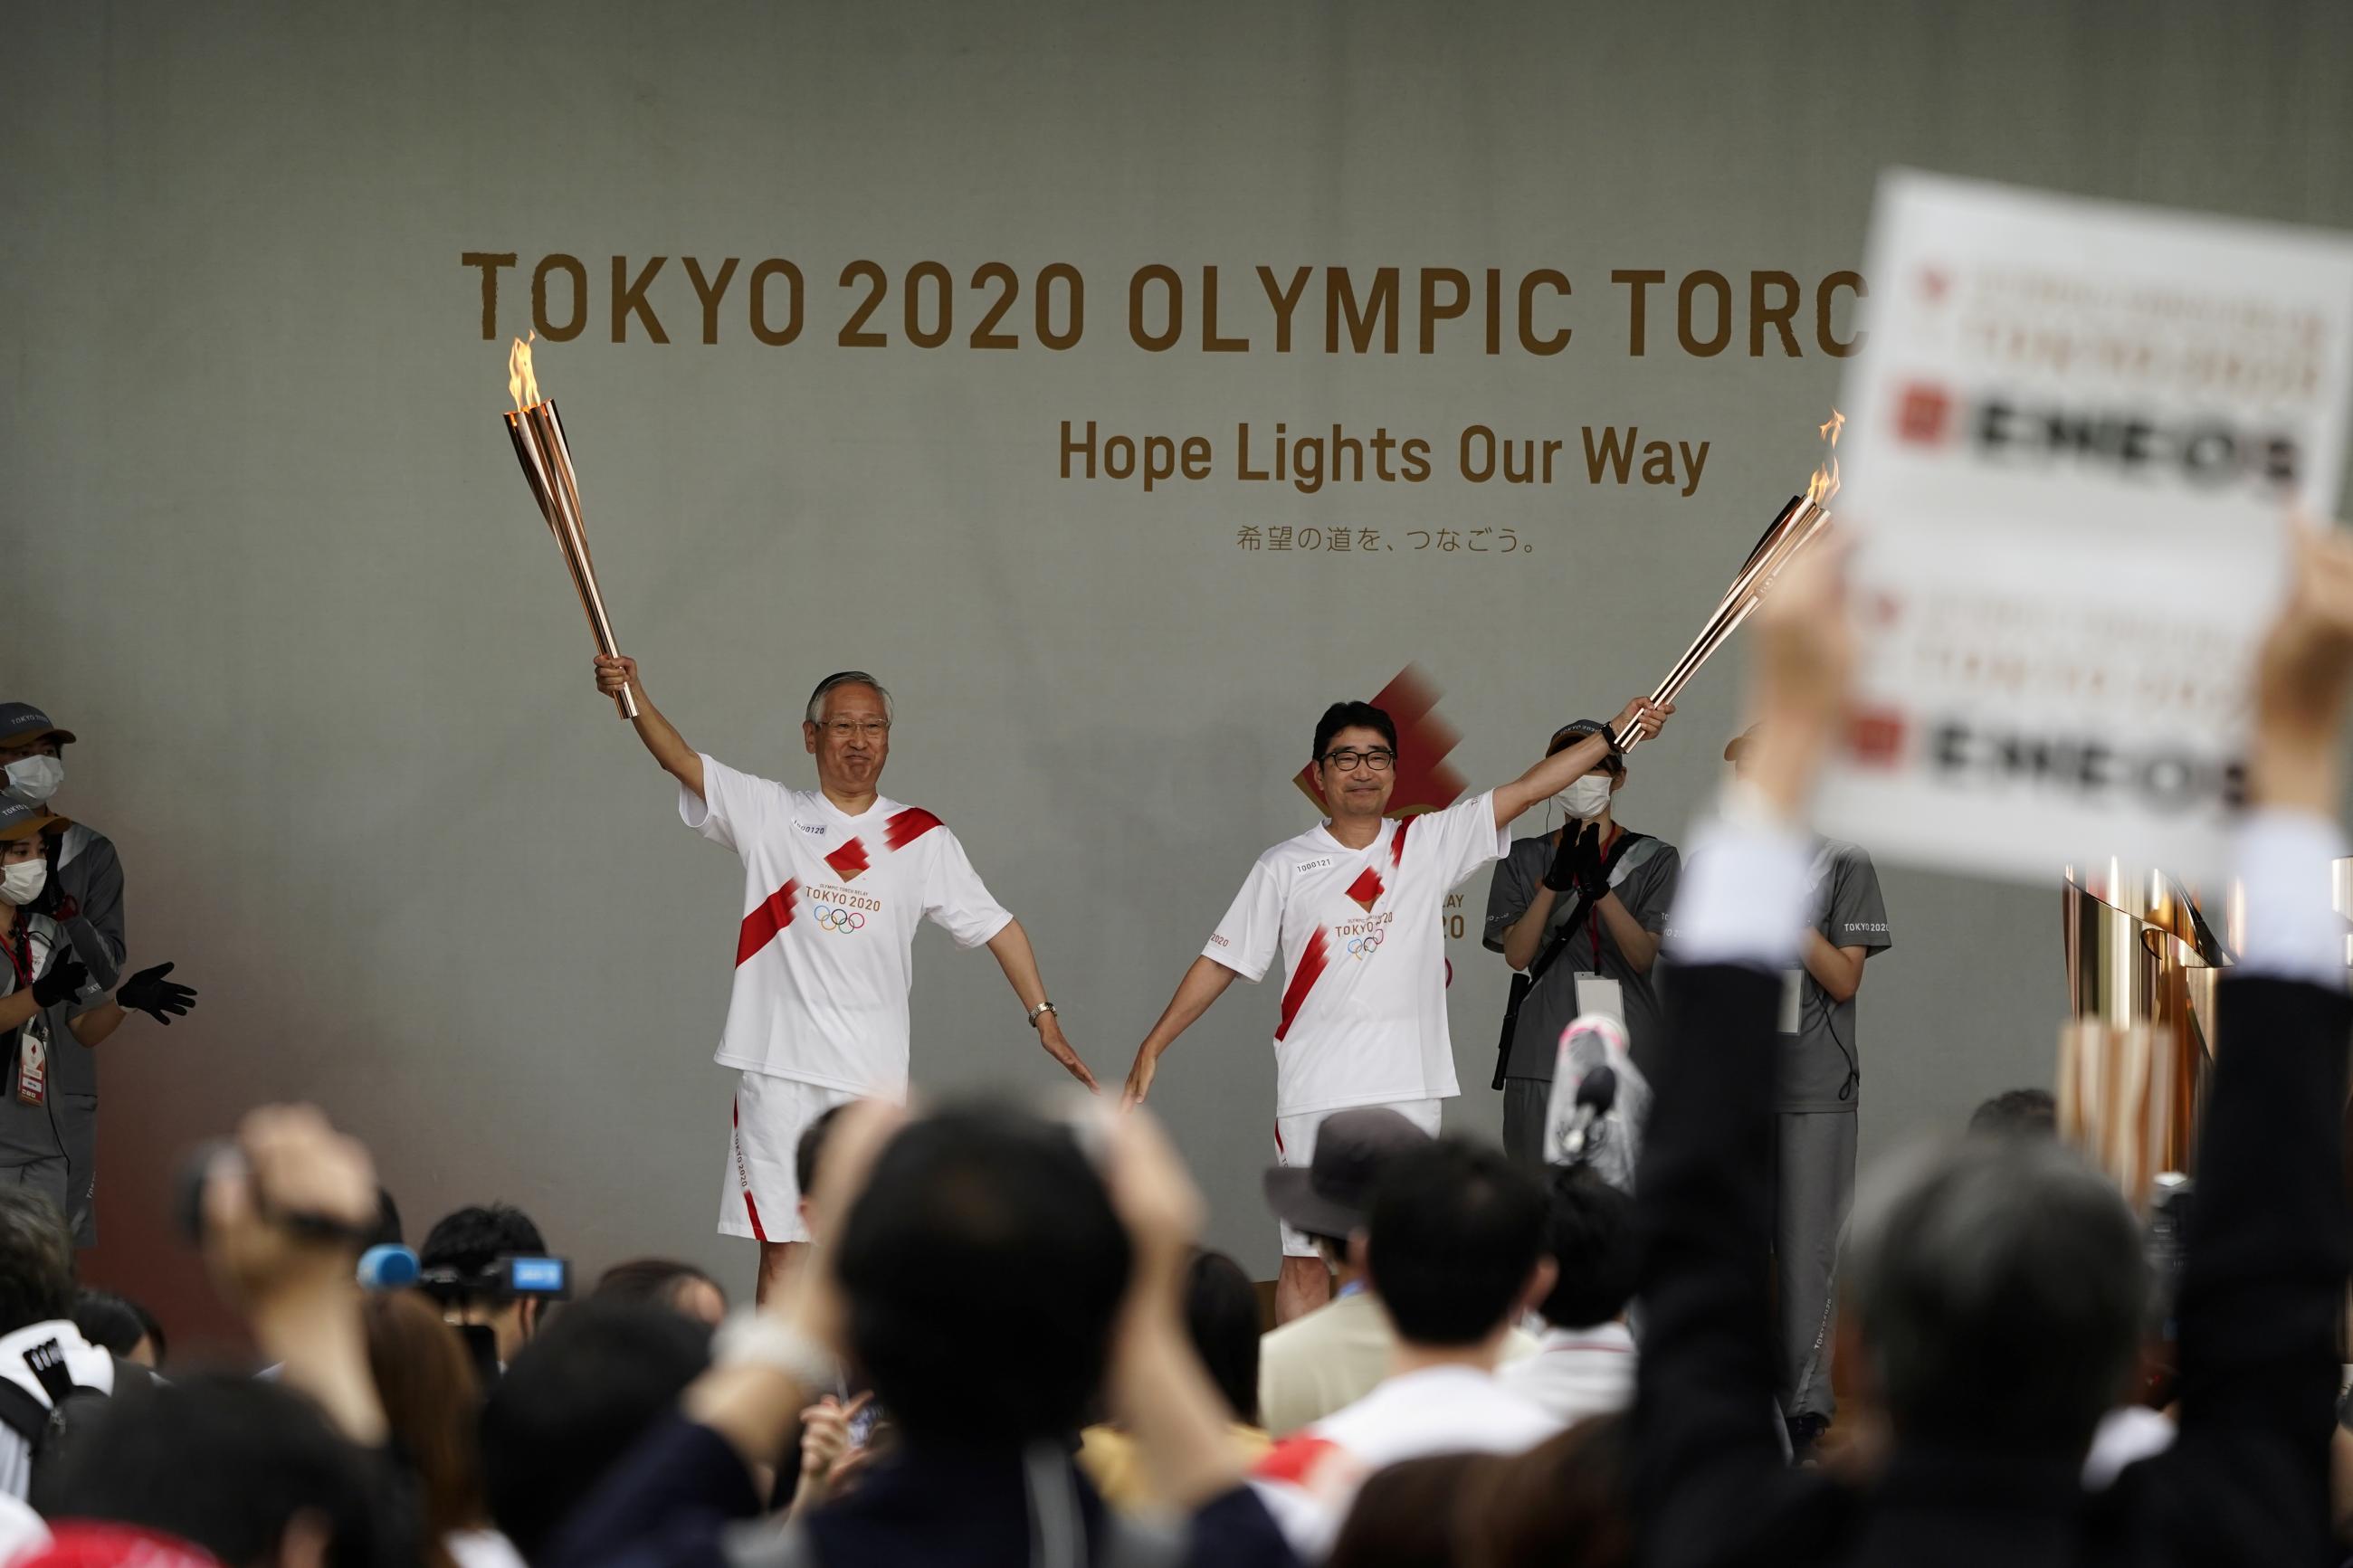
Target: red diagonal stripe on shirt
x,y
771,915
905,826
1303,980
1397,841
847,861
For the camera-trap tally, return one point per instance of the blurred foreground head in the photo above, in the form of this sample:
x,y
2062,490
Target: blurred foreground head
x,y
982,1265
2000,1288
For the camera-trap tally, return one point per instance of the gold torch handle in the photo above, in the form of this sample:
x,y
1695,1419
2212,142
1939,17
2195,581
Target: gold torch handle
x,y
546,460
1790,532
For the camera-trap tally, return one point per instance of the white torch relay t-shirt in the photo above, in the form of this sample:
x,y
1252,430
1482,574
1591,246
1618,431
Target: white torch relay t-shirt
x,y
1364,949
823,958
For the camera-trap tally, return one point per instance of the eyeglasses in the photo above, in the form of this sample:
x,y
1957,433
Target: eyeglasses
x,y
851,729
1379,761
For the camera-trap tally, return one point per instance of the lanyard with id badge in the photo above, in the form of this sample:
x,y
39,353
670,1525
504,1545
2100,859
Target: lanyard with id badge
x,y
33,1037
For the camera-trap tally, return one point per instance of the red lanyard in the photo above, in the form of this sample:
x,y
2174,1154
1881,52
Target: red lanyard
x,y
21,962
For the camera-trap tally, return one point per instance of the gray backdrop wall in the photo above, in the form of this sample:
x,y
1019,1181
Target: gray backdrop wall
x,y
268,552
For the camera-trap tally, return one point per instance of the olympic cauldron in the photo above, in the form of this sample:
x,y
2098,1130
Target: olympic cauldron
x,y
2142,965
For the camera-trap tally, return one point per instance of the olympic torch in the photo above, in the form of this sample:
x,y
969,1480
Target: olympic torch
x,y
546,458
1798,525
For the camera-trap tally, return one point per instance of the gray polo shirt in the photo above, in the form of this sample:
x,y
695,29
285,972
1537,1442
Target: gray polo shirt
x,y
1817,1060
1647,890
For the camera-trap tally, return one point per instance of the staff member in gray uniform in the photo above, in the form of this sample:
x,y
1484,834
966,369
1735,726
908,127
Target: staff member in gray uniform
x,y
1818,1091
1539,889
85,869
86,877
50,1026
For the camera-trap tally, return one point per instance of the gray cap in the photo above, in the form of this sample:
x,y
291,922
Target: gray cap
x,y
21,722
1330,1194
18,820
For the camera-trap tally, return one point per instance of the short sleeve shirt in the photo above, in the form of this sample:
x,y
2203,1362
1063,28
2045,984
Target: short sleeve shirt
x,y
1648,891
1819,1059
1360,934
824,953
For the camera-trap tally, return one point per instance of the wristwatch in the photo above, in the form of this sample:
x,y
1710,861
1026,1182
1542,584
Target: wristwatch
x,y
1610,739
1040,1010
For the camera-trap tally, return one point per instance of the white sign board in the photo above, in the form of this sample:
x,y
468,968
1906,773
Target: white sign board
x,y
2075,434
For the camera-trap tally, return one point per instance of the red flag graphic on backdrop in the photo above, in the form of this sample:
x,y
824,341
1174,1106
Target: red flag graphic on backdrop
x,y
1424,781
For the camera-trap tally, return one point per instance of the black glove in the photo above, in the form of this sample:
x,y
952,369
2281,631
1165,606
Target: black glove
x,y
65,977
1578,845
1592,872
1561,874
148,992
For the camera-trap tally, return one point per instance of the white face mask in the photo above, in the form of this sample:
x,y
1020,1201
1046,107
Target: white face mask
x,y
1586,799
22,882
34,779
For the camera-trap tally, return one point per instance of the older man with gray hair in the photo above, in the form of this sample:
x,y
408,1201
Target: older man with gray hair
x,y
836,879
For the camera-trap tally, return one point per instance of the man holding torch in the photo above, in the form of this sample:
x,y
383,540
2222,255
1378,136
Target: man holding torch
x,y
836,879
1353,906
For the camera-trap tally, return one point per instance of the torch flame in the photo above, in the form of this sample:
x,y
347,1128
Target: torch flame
x,y
522,384
1825,482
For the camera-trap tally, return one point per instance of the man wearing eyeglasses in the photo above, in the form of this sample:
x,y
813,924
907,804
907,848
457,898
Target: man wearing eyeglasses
x,y
1353,906
835,880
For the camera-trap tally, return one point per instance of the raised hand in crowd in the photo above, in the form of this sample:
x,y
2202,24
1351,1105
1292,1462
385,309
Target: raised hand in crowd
x,y
285,1210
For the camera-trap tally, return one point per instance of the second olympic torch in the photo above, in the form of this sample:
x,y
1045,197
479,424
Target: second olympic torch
x,y
546,459
1798,524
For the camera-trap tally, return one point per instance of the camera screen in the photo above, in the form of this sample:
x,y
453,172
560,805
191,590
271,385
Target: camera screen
x,y
536,1276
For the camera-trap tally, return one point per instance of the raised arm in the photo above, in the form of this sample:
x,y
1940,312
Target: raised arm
x,y
1203,983
1556,772
1011,949
1708,1462
2265,1256
678,759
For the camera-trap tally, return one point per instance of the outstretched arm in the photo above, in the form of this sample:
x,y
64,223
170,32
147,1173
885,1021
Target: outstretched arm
x,y
1203,983
1020,961
678,759
1557,772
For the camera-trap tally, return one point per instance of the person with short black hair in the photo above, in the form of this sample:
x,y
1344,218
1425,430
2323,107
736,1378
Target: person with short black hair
x,y
37,1300
575,1400
837,881
808,1150
1585,1360
666,1282
119,1326
2016,1113
245,1467
1330,1358
459,1259
1353,908
1221,1321
1456,1245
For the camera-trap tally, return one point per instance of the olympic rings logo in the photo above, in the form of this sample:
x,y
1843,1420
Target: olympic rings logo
x,y
829,918
1365,946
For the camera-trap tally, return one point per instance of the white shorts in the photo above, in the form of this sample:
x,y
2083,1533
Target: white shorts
x,y
1294,1144
758,1198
